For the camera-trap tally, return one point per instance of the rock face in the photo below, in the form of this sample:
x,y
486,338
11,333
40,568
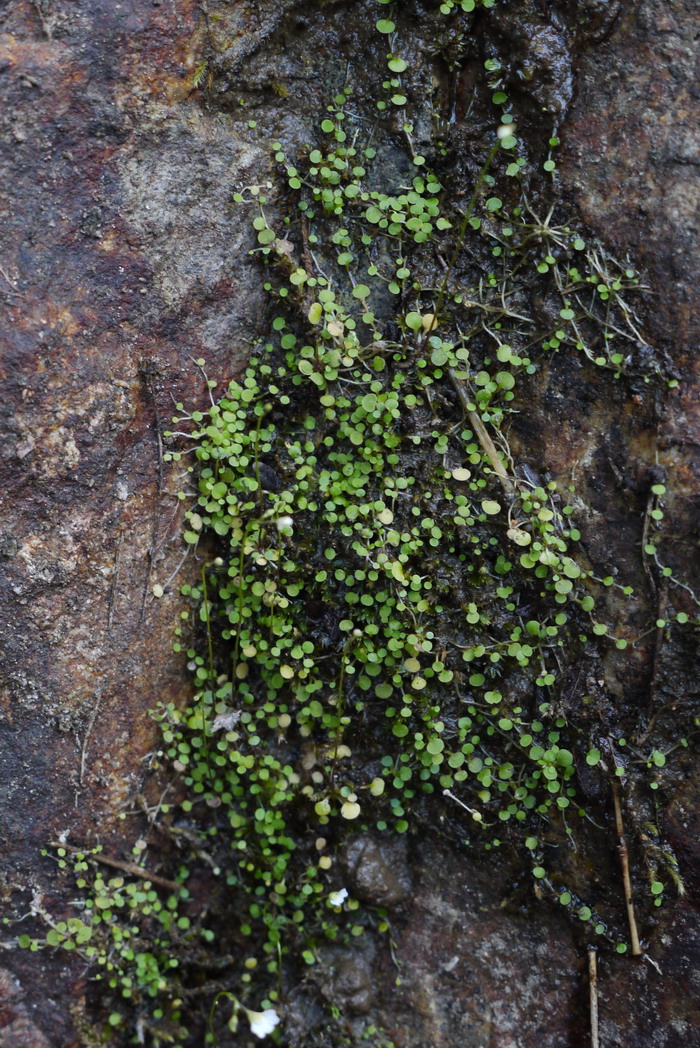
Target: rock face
x,y
119,262
122,263
377,870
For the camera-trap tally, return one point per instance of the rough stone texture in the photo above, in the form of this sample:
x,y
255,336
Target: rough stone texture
x,y
474,974
631,163
377,870
348,979
120,261
483,964
632,152
16,1028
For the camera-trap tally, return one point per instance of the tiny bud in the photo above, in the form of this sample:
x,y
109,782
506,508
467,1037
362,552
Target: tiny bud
x,y
505,131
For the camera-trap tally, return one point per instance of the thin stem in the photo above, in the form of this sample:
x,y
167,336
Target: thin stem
x,y
127,867
210,648
593,994
339,708
624,864
482,435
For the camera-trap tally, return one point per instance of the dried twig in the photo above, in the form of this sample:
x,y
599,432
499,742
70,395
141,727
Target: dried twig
x,y
659,590
624,864
593,994
126,867
658,645
482,435
148,371
305,247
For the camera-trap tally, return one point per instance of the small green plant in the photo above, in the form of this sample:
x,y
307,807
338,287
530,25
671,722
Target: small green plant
x,y
387,602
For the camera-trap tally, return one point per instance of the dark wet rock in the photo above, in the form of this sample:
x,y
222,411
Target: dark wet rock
x,y
461,953
632,143
8,544
348,978
378,869
121,247
16,1026
536,52
269,478
305,1010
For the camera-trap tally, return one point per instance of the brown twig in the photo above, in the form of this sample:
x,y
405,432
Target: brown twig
x,y
658,645
305,249
482,435
149,371
672,706
625,867
126,867
593,994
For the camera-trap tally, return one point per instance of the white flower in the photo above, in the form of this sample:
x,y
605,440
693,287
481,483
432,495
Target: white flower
x,y
338,898
284,522
505,131
262,1023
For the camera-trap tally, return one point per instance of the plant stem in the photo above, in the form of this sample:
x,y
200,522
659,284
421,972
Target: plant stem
x,y
210,649
482,435
127,867
624,864
593,994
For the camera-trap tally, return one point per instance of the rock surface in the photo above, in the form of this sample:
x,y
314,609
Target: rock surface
x,y
121,263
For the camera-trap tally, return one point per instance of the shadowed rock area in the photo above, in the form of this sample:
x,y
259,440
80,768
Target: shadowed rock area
x,y
125,131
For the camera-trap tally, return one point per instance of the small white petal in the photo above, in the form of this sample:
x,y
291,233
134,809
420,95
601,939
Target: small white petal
x,y
338,898
505,131
284,522
262,1023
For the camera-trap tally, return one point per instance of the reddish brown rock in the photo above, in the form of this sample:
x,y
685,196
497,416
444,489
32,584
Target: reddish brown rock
x,y
120,261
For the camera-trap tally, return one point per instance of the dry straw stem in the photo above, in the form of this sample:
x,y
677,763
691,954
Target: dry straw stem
x,y
126,867
482,435
624,864
593,994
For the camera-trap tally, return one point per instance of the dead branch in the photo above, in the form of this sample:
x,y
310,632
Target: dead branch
x,y
624,864
482,435
593,994
126,867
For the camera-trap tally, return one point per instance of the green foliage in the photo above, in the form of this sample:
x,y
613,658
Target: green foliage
x,y
391,599
388,603
131,934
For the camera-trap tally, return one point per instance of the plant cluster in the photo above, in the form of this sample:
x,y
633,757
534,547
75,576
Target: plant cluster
x,y
388,603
